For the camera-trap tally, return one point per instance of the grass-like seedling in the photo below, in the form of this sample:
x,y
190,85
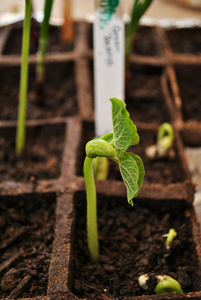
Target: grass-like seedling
x,y
138,9
21,127
112,145
42,47
163,147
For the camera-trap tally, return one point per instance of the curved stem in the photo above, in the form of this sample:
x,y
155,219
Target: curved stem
x,y
169,285
165,135
21,130
170,237
92,231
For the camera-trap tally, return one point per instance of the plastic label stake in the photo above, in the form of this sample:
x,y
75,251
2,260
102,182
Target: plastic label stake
x,y
108,37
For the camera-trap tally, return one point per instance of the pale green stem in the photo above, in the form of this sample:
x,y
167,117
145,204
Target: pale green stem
x,y
92,230
21,129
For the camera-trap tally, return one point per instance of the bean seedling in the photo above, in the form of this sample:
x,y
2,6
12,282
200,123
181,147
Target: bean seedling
x,y
165,284
170,237
168,285
163,147
112,145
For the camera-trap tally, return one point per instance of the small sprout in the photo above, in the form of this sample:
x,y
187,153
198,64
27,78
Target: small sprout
x,y
166,284
163,147
170,237
112,145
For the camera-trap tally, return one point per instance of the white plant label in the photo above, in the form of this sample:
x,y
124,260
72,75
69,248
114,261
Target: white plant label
x,y
108,36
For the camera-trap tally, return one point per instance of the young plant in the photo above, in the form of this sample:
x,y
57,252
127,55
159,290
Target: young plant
x,y
112,145
163,147
170,237
138,9
165,284
43,40
168,285
21,128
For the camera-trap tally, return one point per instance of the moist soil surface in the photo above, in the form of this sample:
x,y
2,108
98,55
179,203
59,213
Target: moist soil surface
x,y
26,230
57,99
144,97
55,44
186,40
189,81
164,171
41,158
146,42
131,244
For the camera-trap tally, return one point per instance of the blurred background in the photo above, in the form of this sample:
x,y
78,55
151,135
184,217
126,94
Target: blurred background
x,y
165,12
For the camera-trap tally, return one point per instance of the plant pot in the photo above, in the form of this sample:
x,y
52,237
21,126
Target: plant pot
x,y
58,193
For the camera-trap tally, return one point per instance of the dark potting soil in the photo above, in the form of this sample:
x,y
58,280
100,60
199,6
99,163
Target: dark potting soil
x,y
185,40
144,97
42,155
146,42
26,236
165,171
14,42
131,244
60,98
189,80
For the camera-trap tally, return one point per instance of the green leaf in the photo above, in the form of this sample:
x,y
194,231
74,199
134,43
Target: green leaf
x,y
124,131
141,169
130,175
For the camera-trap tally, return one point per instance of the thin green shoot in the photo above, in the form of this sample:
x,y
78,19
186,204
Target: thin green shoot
x,y
138,10
21,120
168,285
42,47
112,145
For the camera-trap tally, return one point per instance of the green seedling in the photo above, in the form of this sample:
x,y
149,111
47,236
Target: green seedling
x,y
43,40
138,9
112,145
166,284
163,147
170,237
21,120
